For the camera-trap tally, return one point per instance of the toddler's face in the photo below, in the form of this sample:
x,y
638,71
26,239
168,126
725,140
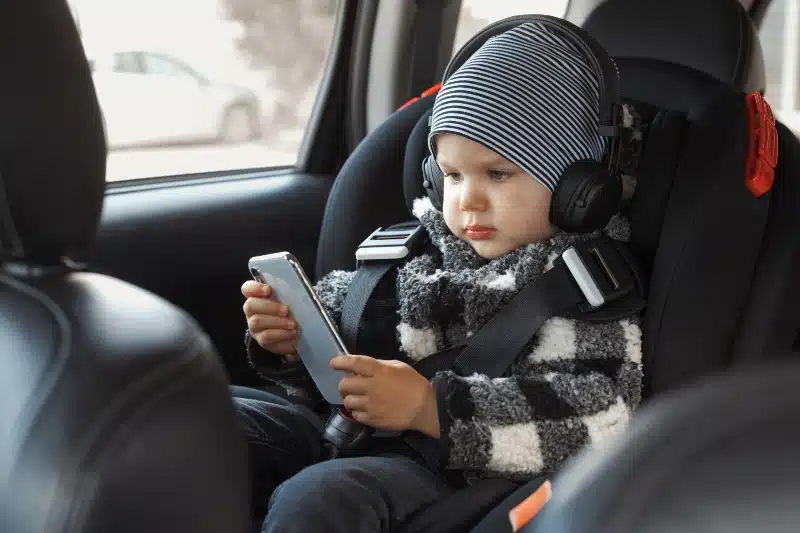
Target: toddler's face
x,y
489,202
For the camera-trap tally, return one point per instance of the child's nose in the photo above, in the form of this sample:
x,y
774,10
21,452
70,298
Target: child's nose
x,y
472,197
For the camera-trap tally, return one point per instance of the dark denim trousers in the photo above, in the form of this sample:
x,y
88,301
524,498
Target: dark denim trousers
x,y
298,491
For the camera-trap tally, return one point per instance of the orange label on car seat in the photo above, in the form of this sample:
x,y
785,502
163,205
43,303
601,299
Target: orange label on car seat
x,y
427,92
525,511
762,146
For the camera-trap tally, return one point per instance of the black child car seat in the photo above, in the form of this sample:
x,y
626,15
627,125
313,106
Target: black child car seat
x,y
700,282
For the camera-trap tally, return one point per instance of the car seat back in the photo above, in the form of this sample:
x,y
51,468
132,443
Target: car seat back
x,y
718,41
115,415
717,38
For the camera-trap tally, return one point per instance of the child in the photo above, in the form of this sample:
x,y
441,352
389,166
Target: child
x,y
504,127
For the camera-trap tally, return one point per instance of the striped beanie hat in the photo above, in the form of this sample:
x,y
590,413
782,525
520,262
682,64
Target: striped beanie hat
x,y
529,95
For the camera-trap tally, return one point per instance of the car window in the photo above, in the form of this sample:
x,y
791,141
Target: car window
x,y
780,42
477,14
256,67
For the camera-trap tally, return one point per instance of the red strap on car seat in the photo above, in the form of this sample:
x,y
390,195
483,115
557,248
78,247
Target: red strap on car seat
x,y
427,92
762,145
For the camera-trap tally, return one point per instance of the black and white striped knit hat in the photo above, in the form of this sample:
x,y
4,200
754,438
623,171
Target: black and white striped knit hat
x,y
529,95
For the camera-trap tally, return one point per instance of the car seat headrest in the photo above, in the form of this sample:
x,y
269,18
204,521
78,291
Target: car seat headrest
x,y
52,145
716,37
416,152
721,456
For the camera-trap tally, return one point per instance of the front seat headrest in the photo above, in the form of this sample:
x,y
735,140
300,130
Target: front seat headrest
x,y
52,145
712,36
721,456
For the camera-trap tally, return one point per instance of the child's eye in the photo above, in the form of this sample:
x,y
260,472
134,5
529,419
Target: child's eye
x,y
499,175
453,176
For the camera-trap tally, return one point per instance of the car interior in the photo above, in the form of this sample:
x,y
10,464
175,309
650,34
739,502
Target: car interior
x,y
121,311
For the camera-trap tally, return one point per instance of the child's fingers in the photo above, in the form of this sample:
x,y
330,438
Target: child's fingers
x,y
253,289
357,364
264,306
271,336
352,385
355,403
257,323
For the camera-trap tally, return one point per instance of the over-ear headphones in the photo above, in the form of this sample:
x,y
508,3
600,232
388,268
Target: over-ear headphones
x,y
588,193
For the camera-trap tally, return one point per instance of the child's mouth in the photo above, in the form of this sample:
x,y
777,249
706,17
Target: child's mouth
x,y
477,233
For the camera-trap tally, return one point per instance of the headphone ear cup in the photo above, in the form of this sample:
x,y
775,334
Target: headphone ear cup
x,y
586,197
433,181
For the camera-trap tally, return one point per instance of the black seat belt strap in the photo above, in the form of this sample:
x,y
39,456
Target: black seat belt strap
x,y
495,346
382,251
493,349
366,279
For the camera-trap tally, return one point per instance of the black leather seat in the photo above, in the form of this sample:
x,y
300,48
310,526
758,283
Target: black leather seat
x,y
115,415
716,458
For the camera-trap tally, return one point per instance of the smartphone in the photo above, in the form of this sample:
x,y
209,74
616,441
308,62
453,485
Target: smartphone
x,y
318,341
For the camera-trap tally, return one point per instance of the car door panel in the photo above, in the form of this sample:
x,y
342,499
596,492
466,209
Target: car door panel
x,y
190,242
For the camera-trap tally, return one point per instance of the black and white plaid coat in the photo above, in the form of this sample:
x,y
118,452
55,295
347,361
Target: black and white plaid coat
x,y
574,386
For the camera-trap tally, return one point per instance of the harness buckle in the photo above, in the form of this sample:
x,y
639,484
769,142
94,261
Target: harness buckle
x,y
393,244
601,271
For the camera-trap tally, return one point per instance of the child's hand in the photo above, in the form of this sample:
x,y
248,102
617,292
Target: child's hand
x,y
268,320
387,395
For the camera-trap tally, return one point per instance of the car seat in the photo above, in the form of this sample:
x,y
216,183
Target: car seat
x,y
102,384
718,456
717,40
693,157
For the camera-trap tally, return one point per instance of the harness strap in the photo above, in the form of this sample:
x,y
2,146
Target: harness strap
x,y
366,279
382,251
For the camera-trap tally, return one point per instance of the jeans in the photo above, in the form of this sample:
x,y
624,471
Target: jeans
x,y
299,491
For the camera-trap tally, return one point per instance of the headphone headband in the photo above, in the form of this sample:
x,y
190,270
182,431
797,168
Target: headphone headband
x,y
604,67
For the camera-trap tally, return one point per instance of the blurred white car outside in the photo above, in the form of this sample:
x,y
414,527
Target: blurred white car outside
x,y
151,98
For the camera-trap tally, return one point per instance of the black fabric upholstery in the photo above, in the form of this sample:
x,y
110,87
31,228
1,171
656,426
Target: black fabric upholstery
x,y
657,167
717,457
52,146
707,251
416,151
712,36
115,413
664,85
368,192
771,322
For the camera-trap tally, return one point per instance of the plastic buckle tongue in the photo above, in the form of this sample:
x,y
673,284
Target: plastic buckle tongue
x,y
601,272
391,244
